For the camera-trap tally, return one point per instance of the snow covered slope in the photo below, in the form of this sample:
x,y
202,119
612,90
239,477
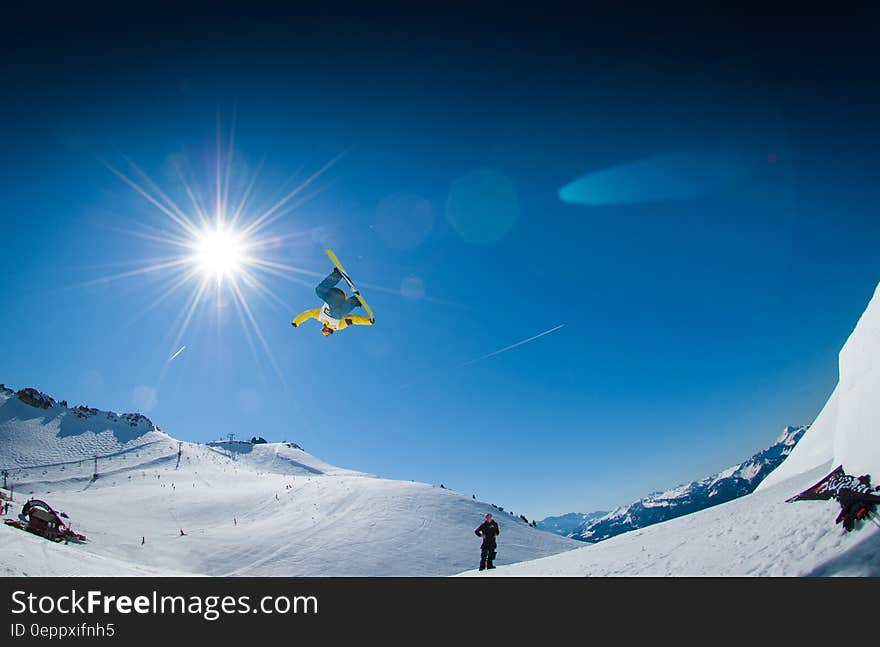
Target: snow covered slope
x,y
760,534
815,449
847,430
755,535
261,509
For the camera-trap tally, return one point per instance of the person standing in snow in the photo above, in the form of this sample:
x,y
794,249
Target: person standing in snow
x,y
488,530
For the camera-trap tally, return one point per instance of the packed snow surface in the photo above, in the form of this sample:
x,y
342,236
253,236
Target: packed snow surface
x,y
246,509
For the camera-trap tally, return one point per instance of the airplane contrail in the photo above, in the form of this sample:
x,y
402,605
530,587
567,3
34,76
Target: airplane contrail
x,y
492,354
177,353
511,347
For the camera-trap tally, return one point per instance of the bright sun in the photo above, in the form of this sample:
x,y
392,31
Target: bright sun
x,y
218,252
219,244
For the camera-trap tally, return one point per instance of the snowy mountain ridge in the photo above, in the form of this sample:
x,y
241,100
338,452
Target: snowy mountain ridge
x,y
40,400
728,484
38,430
733,482
567,524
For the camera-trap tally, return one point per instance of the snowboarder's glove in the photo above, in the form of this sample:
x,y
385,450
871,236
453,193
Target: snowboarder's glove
x,y
477,533
348,321
293,323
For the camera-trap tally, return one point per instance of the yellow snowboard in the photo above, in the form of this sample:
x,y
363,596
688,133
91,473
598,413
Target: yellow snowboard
x,y
347,279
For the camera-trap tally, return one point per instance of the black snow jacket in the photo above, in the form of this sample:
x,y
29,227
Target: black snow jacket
x,y
488,531
855,506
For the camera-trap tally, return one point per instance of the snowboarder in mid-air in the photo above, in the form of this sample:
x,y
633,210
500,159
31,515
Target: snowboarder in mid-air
x,y
488,530
335,313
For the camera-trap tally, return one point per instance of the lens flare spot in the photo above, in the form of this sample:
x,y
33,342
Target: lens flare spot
x,y
482,206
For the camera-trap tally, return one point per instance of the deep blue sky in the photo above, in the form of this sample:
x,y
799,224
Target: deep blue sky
x,y
696,326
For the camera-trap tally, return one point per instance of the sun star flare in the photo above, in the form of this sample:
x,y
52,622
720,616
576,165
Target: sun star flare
x,y
232,248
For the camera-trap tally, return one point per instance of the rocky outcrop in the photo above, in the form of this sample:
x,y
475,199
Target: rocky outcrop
x,y
35,398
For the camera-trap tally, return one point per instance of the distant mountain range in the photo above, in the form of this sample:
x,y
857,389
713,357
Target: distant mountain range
x,y
568,524
729,484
